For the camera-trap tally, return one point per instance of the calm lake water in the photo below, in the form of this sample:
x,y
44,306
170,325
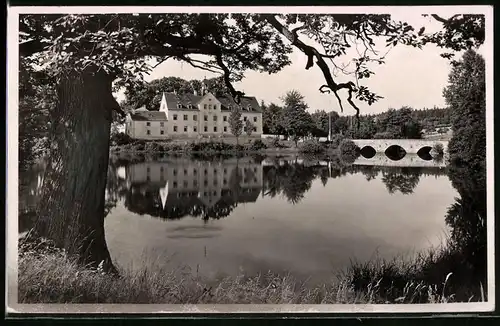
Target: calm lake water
x,y
305,216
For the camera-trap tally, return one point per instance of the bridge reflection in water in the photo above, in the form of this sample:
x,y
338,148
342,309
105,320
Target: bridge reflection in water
x,y
409,160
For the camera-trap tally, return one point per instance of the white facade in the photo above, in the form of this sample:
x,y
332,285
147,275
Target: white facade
x,y
207,117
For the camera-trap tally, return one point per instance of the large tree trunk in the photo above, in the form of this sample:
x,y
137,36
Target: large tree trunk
x,y
71,212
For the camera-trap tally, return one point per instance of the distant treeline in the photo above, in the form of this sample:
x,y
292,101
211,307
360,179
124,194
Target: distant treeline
x,y
402,123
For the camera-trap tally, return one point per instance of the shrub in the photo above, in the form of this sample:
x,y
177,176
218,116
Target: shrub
x,y
336,140
311,146
211,146
348,151
438,148
121,139
277,143
140,145
257,145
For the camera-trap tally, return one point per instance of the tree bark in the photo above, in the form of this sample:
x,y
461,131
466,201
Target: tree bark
x,y
71,212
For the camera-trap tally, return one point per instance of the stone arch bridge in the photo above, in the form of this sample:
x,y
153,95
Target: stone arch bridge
x,y
411,146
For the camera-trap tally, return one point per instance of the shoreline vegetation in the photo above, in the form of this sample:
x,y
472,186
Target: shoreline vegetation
x,y
339,145
48,275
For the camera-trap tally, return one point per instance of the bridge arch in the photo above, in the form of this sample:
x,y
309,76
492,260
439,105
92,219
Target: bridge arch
x,y
425,153
411,146
368,151
395,152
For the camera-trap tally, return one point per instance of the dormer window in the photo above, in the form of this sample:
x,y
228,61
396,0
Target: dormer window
x,y
179,105
249,107
190,106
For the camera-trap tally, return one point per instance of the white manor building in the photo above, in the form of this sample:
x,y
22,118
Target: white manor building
x,y
193,116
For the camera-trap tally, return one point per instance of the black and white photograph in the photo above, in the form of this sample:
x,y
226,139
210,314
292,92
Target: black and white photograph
x,y
250,159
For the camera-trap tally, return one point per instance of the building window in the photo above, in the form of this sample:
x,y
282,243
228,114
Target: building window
x,y
254,119
148,124
215,182
215,129
185,184
195,172
210,106
206,171
148,132
244,129
195,129
175,172
225,129
185,129
205,128
179,105
215,118
205,117
175,184
205,183
185,117
195,117
244,118
254,128
225,181
161,132
175,128
185,171
195,183
190,106
162,124
148,169
175,116
224,118
205,106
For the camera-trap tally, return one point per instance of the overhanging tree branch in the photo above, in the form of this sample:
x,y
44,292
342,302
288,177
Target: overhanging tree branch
x,y
311,54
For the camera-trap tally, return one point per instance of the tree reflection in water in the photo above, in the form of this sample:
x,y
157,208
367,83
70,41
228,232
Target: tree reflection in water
x,y
404,180
467,220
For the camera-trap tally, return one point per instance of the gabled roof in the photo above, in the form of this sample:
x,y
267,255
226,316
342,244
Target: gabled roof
x,y
184,99
248,103
148,116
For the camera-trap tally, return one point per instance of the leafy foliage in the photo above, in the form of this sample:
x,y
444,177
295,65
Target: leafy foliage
x,y
121,44
249,127
37,100
272,119
465,95
348,151
312,146
235,122
296,120
121,139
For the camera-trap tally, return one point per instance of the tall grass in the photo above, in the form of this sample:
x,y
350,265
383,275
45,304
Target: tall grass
x,y
49,276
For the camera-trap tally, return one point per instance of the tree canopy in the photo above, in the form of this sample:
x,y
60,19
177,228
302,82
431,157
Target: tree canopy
x,y
121,44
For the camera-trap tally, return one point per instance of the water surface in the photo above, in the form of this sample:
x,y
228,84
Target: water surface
x,y
307,217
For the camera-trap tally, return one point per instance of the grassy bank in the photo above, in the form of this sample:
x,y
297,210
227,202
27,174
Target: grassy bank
x,y
49,276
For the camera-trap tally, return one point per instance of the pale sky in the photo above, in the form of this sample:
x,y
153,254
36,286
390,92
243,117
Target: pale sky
x,y
410,77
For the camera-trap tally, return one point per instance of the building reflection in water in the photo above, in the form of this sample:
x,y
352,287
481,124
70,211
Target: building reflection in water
x,y
175,188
